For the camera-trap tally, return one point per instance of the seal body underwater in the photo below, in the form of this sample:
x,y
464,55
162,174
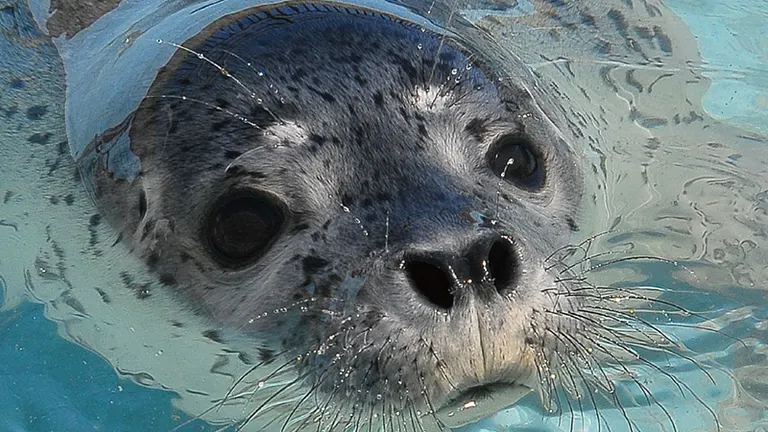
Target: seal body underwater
x,y
376,182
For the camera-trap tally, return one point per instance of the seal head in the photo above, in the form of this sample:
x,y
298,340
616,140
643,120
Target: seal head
x,y
366,199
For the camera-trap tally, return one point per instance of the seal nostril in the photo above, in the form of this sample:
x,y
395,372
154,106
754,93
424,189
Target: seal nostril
x,y
502,263
431,282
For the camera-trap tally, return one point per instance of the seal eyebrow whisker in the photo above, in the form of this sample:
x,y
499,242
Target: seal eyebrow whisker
x,y
239,157
209,105
225,73
439,48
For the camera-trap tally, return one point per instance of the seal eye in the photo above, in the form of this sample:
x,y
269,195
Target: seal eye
x,y
241,227
512,158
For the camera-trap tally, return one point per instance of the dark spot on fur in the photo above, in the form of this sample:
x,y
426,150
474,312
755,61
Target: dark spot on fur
x,y
266,355
176,324
311,264
222,103
477,128
37,112
378,99
184,257
603,47
219,125
245,358
588,19
347,200
572,225
152,260
232,154
168,279
39,138
325,95
95,220
140,290
54,200
319,140
665,44
619,22
69,199
423,130
212,335
261,117
299,228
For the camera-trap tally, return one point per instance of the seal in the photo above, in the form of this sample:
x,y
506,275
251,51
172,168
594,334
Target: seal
x,y
381,185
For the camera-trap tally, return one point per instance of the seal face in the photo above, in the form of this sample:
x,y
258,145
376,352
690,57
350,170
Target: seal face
x,y
362,197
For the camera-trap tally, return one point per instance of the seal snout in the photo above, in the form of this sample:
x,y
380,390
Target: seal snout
x,y
488,266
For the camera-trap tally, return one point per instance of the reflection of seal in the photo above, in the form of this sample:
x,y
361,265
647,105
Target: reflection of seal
x,y
375,190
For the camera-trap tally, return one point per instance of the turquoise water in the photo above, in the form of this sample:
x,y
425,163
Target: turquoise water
x,y
48,383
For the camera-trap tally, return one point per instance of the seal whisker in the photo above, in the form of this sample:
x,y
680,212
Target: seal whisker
x,y
296,406
637,357
256,412
209,105
439,48
246,374
648,395
440,363
224,72
584,260
630,258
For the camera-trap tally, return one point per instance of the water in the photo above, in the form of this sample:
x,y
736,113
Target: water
x,y
49,383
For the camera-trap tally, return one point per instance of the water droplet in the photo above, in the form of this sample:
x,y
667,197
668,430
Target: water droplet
x,y
419,46
454,71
